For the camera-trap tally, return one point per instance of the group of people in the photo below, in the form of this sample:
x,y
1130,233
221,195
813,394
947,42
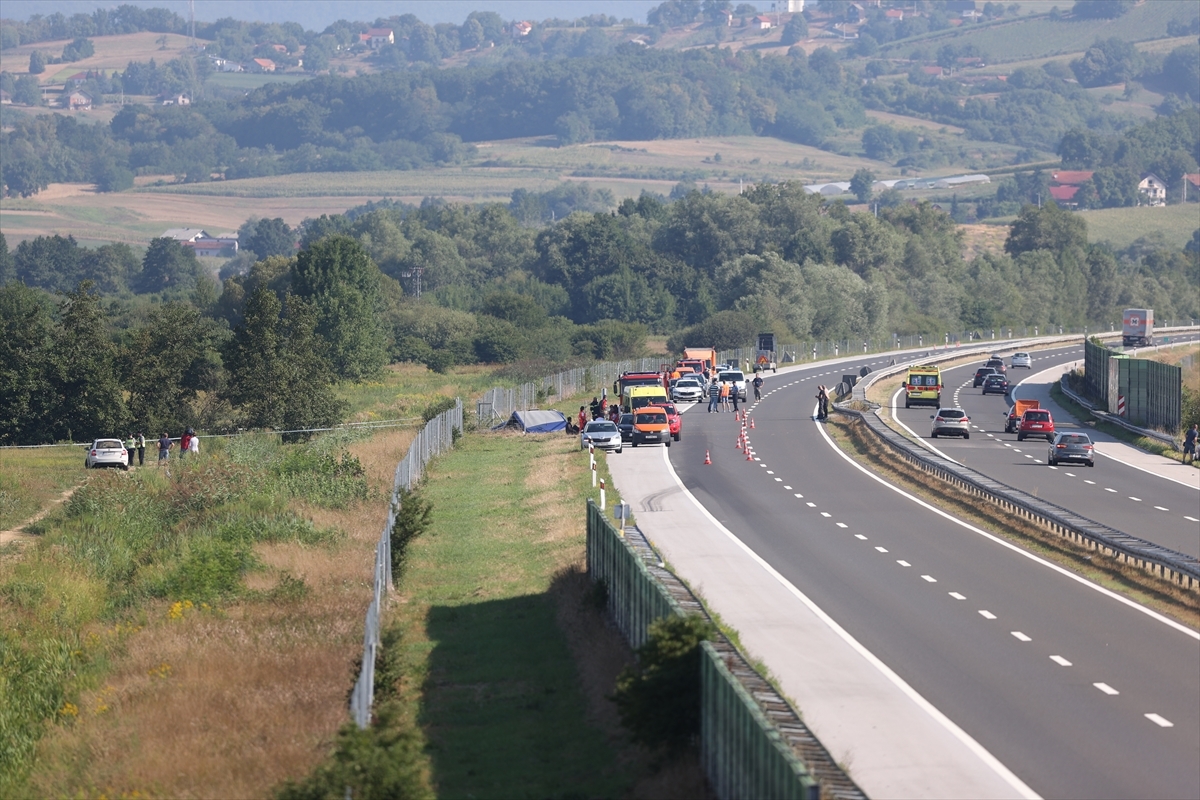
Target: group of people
x,y
721,395
822,402
189,443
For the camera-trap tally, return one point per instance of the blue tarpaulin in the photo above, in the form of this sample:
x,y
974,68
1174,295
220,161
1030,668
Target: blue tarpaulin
x,y
535,421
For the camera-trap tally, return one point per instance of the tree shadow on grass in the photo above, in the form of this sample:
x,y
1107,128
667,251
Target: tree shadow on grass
x,y
503,708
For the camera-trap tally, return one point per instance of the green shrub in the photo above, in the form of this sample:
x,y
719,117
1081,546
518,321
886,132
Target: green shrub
x,y
412,520
437,407
210,570
659,700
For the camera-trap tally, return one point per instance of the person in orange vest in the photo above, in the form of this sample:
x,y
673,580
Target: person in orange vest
x,y
725,396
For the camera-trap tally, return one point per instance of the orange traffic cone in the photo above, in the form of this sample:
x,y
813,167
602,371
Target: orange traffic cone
x,y
739,443
707,459
749,455
752,423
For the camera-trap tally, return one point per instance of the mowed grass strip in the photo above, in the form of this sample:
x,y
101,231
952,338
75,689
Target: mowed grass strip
x,y
488,666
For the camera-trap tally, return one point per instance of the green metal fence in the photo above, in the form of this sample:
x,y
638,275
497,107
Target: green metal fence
x,y
1095,370
1152,391
743,753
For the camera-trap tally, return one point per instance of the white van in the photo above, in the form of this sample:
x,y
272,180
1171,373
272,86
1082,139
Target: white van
x,y
735,377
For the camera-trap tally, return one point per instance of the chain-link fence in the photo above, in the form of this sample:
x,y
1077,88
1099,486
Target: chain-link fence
x,y
436,437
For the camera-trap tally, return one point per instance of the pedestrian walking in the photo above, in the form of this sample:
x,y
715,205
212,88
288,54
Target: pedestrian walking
x,y
733,395
758,384
164,449
130,447
822,402
1189,444
141,448
714,397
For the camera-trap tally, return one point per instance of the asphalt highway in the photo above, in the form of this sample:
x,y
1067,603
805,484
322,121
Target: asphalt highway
x,y
1079,692
1117,494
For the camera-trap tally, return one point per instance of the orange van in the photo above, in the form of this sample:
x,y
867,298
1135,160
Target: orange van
x,y
650,425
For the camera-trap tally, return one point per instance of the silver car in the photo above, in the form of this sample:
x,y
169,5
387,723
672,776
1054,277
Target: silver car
x,y
106,453
688,389
1070,447
950,422
601,433
1022,360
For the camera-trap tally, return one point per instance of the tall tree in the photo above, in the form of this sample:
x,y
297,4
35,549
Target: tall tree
x,y
25,340
48,262
339,278
6,268
167,265
861,184
1046,228
267,237
88,398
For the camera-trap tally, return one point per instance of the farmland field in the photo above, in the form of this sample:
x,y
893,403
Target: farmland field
x,y
1121,226
1030,38
112,53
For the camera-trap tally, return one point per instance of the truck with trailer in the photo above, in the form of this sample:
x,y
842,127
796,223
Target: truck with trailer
x,y
1137,327
1013,415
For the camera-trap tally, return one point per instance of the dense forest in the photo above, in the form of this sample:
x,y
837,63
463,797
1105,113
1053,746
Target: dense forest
x,y
705,268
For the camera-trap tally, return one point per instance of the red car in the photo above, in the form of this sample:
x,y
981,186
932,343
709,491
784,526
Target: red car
x,y
1036,422
674,420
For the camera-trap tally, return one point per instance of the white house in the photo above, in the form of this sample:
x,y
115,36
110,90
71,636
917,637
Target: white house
x,y
1151,190
795,6
376,38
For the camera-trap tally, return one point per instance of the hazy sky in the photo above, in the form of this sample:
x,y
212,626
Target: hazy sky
x,y
316,14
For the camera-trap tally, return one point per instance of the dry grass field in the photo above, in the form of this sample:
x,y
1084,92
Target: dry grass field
x,y
112,53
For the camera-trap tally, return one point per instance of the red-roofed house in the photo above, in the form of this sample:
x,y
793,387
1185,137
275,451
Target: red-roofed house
x,y
763,22
376,38
522,28
933,70
1071,177
894,15
262,65
1191,186
1064,195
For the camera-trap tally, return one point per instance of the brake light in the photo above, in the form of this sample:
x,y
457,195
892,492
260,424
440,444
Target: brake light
x,y
1087,447
1062,446
93,452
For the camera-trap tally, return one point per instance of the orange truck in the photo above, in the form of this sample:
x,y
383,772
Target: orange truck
x,y
706,354
1014,414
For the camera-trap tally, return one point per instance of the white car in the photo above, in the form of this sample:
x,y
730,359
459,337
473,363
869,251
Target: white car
x,y
107,453
688,389
1022,360
735,377
601,433
950,422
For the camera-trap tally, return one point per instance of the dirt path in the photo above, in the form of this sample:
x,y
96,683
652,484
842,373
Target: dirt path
x,y
18,534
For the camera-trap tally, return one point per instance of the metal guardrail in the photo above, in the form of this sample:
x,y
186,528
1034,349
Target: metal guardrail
x,y
436,437
1178,568
752,742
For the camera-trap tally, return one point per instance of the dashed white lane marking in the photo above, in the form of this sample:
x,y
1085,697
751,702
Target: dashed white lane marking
x,y
1160,508
860,536
788,488
1093,483
958,596
811,505
1015,450
1104,687
826,514
1114,491
903,563
1069,474
780,480
1020,637
1055,468
1135,499
799,495
986,614
1161,722
764,466
841,525
770,471
1192,519
881,549
1062,662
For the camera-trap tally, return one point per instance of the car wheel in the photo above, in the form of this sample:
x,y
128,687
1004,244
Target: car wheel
x,y
617,451
966,436
933,435
1091,463
906,404
668,443
678,436
1052,462
1020,437
1050,438
633,444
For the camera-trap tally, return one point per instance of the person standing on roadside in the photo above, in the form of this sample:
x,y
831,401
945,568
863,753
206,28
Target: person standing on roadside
x,y
1189,444
733,395
194,445
184,441
724,395
822,402
582,420
758,384
714,396
141,448
164,449
130,444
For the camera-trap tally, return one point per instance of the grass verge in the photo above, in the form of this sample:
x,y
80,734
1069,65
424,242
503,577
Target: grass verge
x,y
499,660
853,437
30,479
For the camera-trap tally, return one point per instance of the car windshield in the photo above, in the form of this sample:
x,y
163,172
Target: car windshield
x,y
984,371
1020,355
600,427
1075,438
995,379
106,444
670,409
627,419
646,418
688,381
732,376
952,413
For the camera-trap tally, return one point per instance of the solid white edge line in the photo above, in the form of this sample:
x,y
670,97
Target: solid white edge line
x,y
1036,559
920,440
1106,455
1007,775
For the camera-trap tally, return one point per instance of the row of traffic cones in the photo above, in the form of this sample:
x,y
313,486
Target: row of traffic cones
x,y
741,444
